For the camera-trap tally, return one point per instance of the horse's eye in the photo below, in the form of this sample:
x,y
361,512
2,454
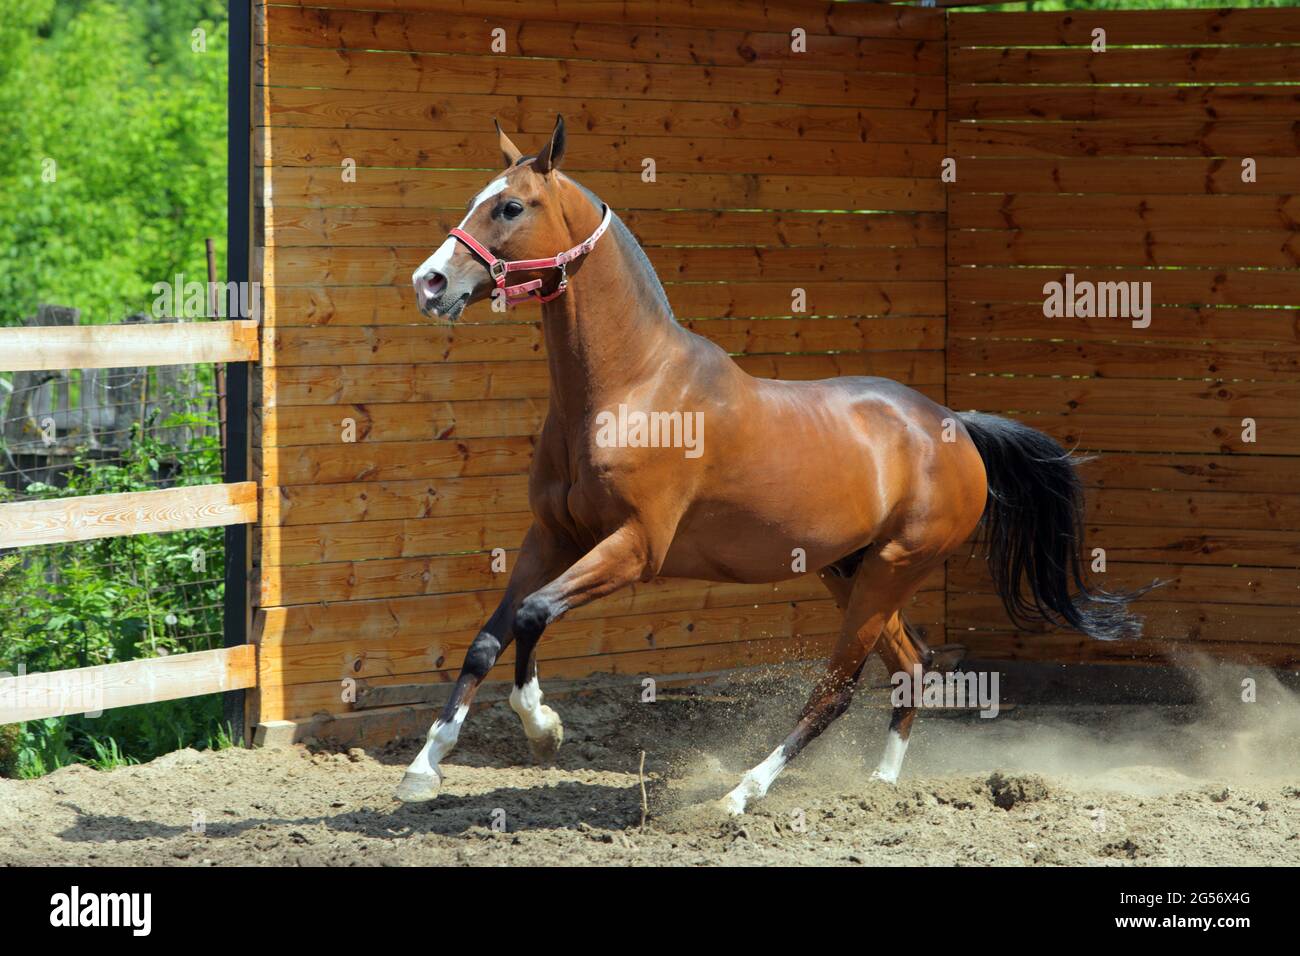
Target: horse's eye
x,y
512,209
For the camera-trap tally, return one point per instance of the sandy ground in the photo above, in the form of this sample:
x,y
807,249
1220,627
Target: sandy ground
x,y
1118,786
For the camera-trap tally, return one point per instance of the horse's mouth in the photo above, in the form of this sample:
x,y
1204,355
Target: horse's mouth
x,y
450,312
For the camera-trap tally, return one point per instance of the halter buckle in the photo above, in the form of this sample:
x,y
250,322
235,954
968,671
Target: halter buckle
x,y
497,271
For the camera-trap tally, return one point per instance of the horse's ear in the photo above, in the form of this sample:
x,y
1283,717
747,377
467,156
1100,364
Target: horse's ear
x,y
551,154
510,153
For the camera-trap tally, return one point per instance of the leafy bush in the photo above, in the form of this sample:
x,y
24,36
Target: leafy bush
x,y
113,98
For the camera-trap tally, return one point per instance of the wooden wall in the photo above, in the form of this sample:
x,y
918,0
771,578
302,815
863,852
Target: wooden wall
x,y
373,556
1061,170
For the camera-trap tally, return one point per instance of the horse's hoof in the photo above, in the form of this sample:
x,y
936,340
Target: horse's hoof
x,y
546,746
418,787
733,804
891,779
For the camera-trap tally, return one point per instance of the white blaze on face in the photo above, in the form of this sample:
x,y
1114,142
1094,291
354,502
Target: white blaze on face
x,y
442,738
441,258
526,701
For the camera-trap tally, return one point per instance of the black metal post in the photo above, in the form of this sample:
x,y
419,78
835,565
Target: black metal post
x,y
238,171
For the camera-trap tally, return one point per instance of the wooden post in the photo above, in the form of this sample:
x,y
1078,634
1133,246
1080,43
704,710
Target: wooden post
x,y
218,369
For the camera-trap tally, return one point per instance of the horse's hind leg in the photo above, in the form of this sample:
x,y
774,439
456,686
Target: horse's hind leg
x,y
901,654
873,598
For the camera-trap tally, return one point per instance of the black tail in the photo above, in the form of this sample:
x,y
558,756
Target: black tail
x,y
1033,529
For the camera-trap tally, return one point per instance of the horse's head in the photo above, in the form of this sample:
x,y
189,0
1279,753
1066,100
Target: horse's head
x,y
517,216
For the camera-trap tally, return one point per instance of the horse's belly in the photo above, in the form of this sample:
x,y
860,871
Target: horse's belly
x,y
744,547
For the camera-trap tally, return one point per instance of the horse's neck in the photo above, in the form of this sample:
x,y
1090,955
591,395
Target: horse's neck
x,y
610,330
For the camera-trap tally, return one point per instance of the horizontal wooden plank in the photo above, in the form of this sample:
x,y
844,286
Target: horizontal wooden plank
x,y
1278,327
356,345
1124,360
1275,249
370,537
1241,474
558,81
1274,548
1129,176
385,226
394,461
1187,509
1036,211
1149,432
467,381
1189,583
1154,136
426,188
290,425
402,538
441,33
281,702
461,381
368,91
40,348
1125,27
1130,397
441,342
390,500
1069,648
410,617
26,523
835,19
1194,287
1067,103
378,306
1207,64
94,689
1184,621
362,659
384,265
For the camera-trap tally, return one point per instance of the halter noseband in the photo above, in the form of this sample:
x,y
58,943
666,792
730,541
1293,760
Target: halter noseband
x,y
500,268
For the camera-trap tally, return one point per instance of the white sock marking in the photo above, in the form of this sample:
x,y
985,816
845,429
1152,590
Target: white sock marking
x,y
892,761
755,783
526,701
442,738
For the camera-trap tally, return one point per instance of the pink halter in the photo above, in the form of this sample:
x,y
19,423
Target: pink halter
x,y
500,268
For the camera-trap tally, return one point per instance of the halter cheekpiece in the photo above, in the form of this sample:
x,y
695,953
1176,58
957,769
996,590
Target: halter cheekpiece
x,y
500,268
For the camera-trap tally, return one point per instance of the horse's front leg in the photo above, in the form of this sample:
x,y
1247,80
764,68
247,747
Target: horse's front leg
x,y
540,559
618,560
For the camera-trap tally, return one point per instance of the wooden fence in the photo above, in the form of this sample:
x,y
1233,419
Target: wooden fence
x,y
374,556
1129,166
52,347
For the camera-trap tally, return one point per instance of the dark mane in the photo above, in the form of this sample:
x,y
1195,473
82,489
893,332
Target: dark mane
x,y
646,275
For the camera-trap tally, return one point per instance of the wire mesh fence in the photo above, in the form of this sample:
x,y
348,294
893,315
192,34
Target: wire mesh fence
x,y
77,432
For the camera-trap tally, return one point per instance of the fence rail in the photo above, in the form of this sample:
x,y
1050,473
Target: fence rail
x,y
50,348
82,518
93,689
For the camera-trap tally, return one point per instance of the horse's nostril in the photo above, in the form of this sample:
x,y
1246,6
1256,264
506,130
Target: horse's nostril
x,y
435,282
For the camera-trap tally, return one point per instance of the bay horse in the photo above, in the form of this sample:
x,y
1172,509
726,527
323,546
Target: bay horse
x,y
873,482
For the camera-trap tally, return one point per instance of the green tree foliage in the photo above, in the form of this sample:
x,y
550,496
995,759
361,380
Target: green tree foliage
x,y
125,104
109,96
